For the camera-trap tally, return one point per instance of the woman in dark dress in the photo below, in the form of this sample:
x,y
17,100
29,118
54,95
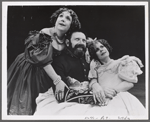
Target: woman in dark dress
x,y
31,73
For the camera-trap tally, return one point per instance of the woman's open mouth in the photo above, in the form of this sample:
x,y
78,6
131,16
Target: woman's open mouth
x,y
103,53
61,24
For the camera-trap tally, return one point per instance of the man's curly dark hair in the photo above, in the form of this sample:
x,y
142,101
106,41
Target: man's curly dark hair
x,y
75,24
92,50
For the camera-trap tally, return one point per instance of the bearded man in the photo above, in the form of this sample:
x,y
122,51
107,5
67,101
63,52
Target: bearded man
x,y
72,61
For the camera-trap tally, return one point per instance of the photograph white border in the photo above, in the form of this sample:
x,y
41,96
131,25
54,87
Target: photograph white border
x,y
4,53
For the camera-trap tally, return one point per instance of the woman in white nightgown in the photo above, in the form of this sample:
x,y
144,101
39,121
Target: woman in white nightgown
x,y
114,77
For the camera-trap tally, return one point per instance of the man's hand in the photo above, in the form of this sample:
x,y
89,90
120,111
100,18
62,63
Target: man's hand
x,y
98,93
59,92
109,92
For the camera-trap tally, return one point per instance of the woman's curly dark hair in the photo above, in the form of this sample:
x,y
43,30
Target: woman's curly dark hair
x,y
92,50
75,24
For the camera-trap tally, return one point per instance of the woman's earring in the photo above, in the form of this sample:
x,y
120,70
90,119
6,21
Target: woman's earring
x,y
67,43
87,56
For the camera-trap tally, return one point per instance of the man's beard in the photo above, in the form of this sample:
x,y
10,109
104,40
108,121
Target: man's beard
x,y
79,50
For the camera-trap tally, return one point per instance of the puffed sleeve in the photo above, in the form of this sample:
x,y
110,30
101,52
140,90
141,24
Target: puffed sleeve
x,y
38,49
128,70
92,72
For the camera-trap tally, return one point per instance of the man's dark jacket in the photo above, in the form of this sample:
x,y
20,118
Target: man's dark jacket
x,y
67,64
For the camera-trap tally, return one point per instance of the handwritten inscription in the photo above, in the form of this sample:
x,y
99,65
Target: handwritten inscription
x,y
123,118
107,118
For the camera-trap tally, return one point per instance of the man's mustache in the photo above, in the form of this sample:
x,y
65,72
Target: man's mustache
x,y
80,46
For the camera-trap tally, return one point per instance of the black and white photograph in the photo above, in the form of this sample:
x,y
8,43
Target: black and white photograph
x,y
75,60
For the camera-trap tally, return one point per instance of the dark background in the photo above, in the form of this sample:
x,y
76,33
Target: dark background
x,y
122,26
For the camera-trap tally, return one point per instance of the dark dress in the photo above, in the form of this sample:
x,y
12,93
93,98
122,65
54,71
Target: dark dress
x,y
26,76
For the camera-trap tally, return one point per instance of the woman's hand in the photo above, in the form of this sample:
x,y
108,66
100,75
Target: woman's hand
x,y
109,92
98,94
59,92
